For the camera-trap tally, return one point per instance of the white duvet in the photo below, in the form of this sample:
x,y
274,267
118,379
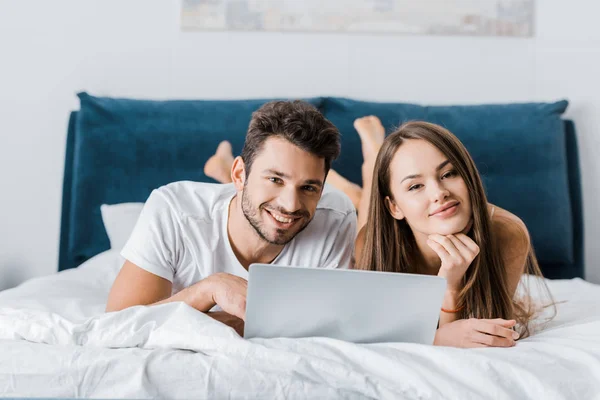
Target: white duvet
x,y
55,341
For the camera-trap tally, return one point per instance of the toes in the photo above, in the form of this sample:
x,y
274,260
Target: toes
x,y
224,148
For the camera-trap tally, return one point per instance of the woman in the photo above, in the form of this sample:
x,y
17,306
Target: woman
x,y
426,212
429,214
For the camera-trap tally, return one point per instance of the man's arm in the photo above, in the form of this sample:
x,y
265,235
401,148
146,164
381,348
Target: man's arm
x,y
136,286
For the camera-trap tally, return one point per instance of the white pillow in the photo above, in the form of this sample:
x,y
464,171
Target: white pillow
x,y
119,221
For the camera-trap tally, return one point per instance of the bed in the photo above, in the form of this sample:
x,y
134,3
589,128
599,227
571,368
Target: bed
x,y
56,341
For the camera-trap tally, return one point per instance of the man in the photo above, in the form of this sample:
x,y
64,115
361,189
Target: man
x,y
195,241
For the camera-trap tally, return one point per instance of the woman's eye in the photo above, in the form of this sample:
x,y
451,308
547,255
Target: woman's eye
x,y
415,187
449,174
275,180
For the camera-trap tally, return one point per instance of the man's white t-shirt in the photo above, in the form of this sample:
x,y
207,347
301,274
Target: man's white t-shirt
x,y
181,234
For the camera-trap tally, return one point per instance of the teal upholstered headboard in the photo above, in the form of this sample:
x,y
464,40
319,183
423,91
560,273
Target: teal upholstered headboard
x,y
118,150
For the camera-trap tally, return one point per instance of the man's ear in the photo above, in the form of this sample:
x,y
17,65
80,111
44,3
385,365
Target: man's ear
x,y
238,173
393,208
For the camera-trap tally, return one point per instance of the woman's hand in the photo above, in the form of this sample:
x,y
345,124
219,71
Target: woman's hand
x,y
457,252
475,332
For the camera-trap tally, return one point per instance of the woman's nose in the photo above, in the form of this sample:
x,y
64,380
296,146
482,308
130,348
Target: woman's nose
x,y
439,192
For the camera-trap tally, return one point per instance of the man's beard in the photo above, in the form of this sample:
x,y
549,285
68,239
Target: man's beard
x,y
252,216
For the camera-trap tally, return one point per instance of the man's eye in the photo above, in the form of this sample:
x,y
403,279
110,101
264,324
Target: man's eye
x,y
310,189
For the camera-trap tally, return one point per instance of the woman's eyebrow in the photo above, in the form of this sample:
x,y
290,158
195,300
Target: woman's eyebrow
x,y
442,165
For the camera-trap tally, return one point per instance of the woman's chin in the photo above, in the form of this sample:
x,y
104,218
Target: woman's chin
x,y
453,229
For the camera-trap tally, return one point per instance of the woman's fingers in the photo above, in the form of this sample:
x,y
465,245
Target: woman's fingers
x,y
468,242
460,248
498,327
446,243
438,248
464,251
491,340
504,322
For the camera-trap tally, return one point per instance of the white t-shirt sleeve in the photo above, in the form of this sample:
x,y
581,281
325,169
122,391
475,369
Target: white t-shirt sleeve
x,y
341,251
153,243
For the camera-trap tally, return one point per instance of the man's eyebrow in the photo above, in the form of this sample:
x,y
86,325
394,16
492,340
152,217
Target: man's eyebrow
x,y
276,173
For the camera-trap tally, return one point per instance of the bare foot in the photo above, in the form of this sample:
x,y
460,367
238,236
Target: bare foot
x,y
351,189
371,133
218,166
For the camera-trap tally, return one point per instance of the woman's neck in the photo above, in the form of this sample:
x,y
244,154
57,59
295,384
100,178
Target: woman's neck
x,y
428,261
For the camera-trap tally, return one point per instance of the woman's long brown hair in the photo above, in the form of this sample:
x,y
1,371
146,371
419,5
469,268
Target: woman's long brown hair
x,y
390,244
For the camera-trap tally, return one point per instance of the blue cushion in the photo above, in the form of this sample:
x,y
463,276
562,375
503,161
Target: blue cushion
x,y
124,148
519,150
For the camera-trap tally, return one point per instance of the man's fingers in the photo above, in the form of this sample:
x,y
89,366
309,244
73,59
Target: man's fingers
x,y
243,311
234,302
238,307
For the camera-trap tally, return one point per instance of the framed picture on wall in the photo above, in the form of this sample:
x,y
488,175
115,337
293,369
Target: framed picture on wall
x,y
418,17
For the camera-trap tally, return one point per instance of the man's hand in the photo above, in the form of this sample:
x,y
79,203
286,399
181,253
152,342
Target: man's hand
x,y
229,292
236,323
475,332
226,290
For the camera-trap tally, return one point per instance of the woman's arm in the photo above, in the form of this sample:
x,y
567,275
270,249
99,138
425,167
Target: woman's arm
x,y
514,243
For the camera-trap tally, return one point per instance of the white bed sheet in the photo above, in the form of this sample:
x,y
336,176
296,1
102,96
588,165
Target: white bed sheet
x,y
55,341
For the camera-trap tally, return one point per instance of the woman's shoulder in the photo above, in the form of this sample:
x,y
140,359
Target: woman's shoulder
x,y
510,232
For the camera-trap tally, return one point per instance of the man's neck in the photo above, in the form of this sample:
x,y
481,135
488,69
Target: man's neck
x,y
247,245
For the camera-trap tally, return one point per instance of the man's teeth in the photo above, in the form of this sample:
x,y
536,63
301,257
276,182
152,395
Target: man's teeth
x,y
282,219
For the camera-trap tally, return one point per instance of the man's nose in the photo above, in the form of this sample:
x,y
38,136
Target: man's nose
x,y
289,200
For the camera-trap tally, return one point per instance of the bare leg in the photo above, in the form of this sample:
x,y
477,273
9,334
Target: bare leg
x,y
351,189
372,134
218,166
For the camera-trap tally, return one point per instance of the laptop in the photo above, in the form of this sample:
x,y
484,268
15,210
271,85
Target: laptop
x,y
352,305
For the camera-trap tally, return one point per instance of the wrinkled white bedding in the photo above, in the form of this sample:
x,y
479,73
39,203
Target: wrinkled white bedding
x,y
55,341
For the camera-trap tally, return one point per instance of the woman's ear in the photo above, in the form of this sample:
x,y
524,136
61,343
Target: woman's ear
x,y
393,208
238,173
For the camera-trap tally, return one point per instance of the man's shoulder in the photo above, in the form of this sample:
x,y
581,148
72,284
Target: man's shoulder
x,y
195,198
335,201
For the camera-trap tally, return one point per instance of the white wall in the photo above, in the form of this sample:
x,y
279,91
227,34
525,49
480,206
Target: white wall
x,y
134,48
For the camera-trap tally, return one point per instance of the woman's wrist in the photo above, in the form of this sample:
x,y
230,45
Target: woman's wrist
x,y
450,301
